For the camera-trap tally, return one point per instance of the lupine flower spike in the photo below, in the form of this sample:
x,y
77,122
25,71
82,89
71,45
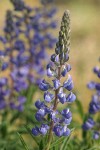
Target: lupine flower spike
x,y
57,92
34,24
25,44
94,107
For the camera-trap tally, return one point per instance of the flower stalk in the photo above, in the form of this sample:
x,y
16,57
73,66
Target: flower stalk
x,y
50,134
56,69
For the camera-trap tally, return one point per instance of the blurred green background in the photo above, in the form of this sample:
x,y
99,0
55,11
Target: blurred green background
x,y
85,39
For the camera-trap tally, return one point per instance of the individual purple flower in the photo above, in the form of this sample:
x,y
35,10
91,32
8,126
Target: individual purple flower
x,y
96,69
56,83
91,85
39,104
94,105
43,129
67,121
3,81
66,113
68,84
35,131
66,131
58,130
71,97
40,114
23,71
98,73
3,39
96,135
4,66
21,99
53,116
97,86
65,70
62,97
50,73
53,57
44,86
89,124
48,96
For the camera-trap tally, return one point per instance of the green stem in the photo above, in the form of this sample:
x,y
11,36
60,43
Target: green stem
x,y
50,136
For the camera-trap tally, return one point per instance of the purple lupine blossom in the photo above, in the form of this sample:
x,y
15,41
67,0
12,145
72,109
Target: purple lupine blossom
x,y
36,32
17,81
56,92
94,107
26,55
46,1
89,124
19,5
4,92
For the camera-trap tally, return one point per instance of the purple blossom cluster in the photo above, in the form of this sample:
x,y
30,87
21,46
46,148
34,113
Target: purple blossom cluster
x,y
57,92
46,1
4,92
26,39
35,25
94,107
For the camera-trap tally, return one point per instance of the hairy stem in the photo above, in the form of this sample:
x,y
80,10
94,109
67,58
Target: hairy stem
x,y
54,109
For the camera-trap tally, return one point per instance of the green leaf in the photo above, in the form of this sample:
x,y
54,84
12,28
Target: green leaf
x,y
57,142
94,148
3,129
41,145
60,140
65,143
80,108
23,142
30,92
84,133
30,132
14,117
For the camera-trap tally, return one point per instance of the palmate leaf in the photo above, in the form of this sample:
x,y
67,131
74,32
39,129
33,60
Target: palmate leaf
x,y
23,142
